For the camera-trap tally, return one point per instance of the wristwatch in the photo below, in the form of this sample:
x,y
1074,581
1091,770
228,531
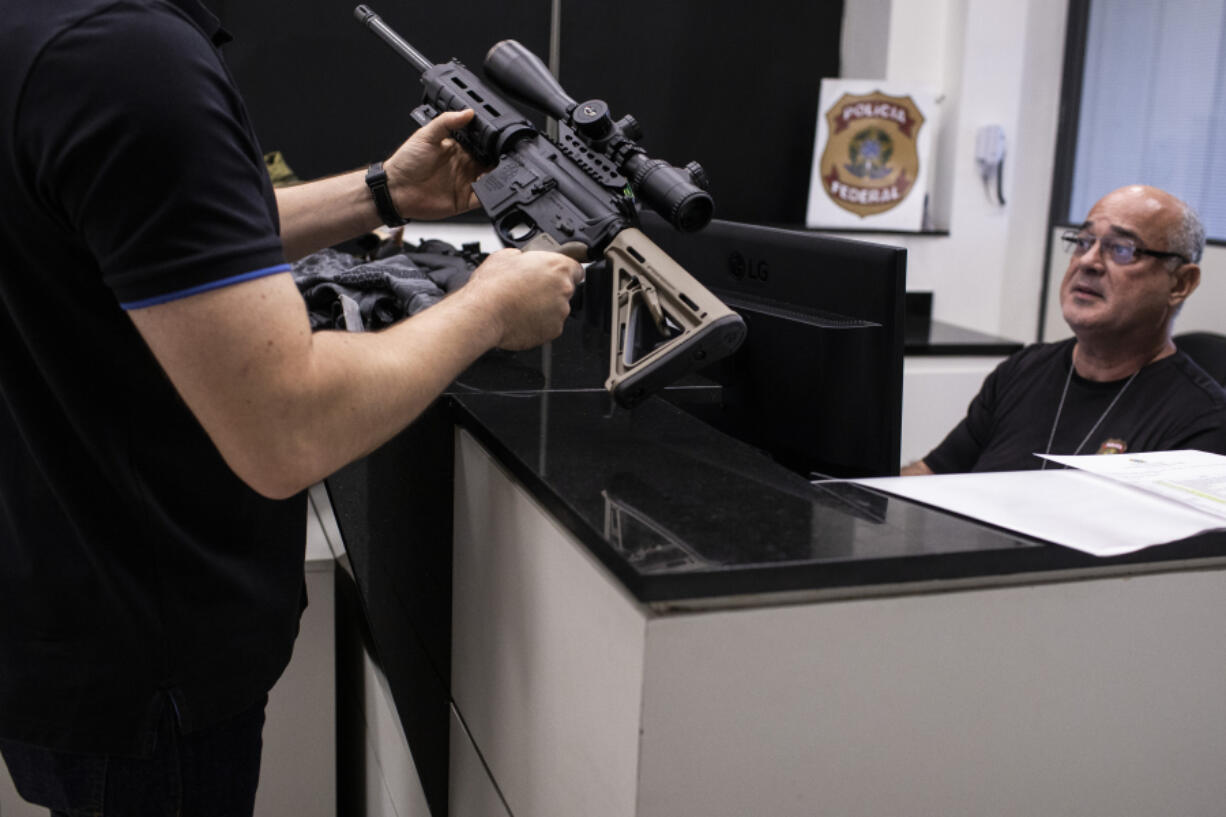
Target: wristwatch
x,y
376,180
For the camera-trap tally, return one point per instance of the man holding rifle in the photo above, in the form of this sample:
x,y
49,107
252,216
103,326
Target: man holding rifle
x,y
163,402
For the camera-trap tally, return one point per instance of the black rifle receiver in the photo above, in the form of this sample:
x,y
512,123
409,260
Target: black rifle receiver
x,y
581,195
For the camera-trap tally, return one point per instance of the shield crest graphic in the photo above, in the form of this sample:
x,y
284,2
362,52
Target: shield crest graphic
x,y
871,161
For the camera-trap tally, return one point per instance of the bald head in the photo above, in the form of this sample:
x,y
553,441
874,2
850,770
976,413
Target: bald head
x,y
1122,305
1169,222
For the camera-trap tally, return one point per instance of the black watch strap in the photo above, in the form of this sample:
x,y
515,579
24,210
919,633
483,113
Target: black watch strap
x,y
376,180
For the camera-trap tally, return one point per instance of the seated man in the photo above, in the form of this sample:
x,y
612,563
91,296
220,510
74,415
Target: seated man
x,y
1119,384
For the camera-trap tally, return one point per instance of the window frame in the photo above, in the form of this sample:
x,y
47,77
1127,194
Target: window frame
x,y
1077,29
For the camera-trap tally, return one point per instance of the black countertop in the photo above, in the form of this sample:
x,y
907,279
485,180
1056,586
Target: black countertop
x,y
682,515
925,338
679,511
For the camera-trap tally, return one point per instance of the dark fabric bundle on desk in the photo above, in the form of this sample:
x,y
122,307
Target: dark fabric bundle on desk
x,y
395,282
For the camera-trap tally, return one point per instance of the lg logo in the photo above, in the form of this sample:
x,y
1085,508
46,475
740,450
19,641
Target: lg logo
x,y
742,268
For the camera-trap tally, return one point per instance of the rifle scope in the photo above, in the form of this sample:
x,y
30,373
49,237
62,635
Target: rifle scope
x,y
677,194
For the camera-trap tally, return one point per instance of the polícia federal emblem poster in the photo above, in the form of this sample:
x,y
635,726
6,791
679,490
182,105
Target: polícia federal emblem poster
x,y
871,159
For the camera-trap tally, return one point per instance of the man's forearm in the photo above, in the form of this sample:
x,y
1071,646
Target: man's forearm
x,y
358,391
919,468
325,212
429,177
286,407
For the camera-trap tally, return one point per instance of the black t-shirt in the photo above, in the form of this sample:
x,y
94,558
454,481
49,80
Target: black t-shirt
x,y
135,568
1171,404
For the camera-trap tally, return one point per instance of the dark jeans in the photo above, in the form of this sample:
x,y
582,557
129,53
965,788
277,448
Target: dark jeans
x,y
210,773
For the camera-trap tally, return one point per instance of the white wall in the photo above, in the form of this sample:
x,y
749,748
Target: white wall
x,y
999,63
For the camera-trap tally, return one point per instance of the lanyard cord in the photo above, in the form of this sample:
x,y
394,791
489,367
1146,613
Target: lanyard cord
x,y
1060,408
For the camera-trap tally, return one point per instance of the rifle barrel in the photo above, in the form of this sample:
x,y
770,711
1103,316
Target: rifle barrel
x,y
375,23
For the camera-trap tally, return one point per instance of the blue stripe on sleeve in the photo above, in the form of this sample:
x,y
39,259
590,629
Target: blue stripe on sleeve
x,y
218,284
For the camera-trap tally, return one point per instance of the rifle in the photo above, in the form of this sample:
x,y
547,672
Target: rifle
x,y
581,195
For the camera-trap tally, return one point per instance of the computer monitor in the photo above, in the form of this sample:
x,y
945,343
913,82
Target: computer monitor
x,y
817,383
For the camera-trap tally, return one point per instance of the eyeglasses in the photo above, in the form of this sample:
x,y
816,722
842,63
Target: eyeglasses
x,y
1122,251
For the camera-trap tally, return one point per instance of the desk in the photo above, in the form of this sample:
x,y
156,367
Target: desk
x,y
627,613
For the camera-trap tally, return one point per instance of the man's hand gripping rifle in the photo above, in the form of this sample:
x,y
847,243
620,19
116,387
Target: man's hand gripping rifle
x,y
580,195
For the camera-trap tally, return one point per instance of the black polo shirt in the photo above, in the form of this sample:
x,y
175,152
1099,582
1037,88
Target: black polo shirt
x,y
136,570
1171,404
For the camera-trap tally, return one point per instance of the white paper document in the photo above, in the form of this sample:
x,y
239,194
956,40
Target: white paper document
x,y
1194,478
1075,508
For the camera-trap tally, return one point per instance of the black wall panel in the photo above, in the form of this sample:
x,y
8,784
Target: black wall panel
x,y
332,96
730,84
